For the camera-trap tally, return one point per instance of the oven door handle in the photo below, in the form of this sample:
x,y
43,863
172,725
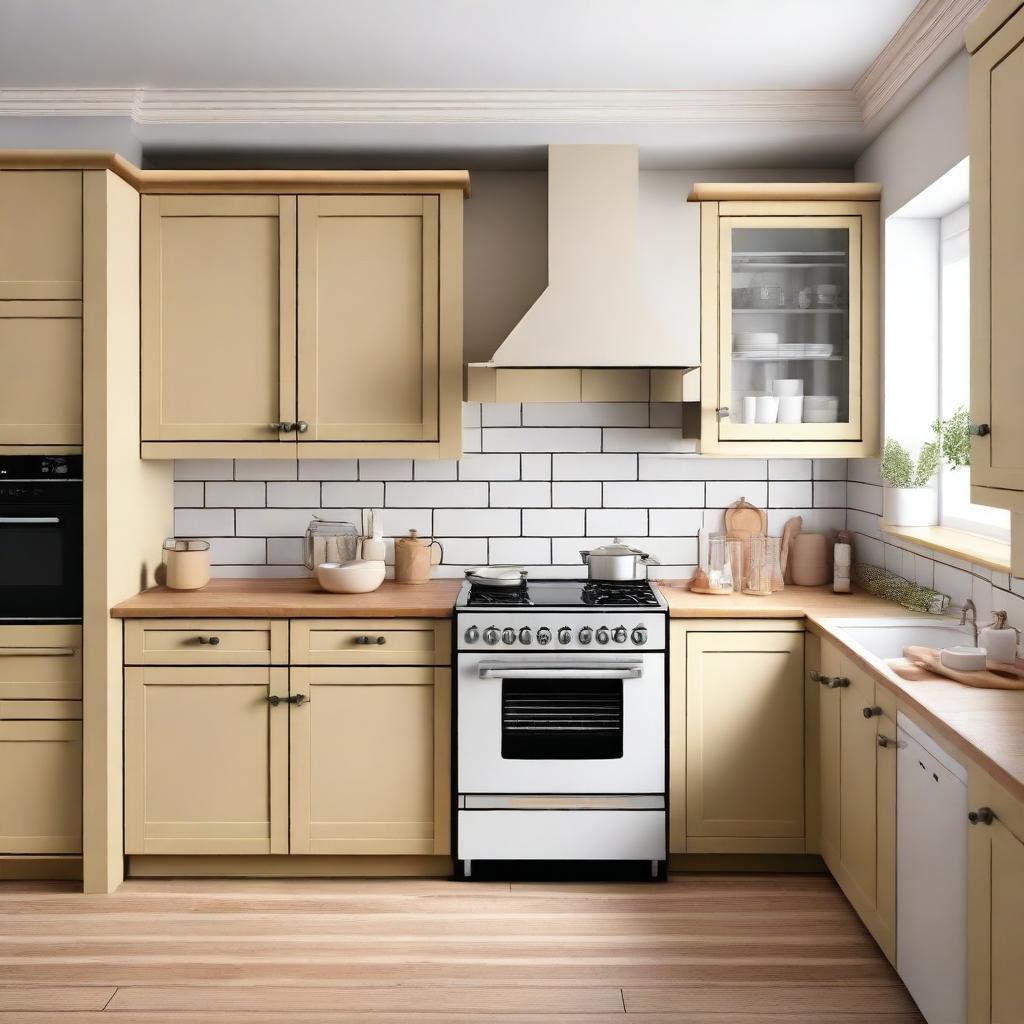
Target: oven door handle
x,y
631,669
29,520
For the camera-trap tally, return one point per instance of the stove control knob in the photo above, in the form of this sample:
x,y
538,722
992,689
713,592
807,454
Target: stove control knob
x,y
525,635
491,636
472,635
586,634
619,634
639,635
565,635
543,635
602,634
508,636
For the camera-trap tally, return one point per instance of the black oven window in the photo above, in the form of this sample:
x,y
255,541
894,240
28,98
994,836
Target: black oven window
x,y
31,556
561,720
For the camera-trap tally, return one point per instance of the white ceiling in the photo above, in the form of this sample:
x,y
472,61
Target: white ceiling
x,y
726,83
444,44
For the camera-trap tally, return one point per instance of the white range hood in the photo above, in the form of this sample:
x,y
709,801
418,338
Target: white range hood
x,y
593,312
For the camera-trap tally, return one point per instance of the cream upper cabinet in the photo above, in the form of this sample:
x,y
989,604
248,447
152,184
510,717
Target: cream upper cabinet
x,y
309,326
857,733
744,742
997,263
218,320
789,324
370,760
206,760
40,373
368,318
40,234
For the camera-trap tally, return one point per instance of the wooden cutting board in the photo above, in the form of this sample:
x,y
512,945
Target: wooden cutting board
x,y
743,521
997,676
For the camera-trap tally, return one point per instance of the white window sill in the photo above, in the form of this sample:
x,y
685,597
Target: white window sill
x,y
971,547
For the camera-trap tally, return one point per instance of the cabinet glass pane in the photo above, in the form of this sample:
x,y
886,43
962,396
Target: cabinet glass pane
x,y
790,325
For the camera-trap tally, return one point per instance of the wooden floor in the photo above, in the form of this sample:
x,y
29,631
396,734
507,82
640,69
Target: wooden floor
x,y
710,949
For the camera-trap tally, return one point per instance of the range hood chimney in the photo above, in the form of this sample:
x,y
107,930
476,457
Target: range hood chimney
x,y
593,312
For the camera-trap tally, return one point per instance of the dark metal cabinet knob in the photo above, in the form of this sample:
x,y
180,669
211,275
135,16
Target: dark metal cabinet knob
x,y
602,635
872,712
302,426
982,816
213,641
885,741
980,429
284,427
379,640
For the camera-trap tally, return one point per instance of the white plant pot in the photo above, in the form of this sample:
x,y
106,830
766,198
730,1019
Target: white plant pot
x,y
910,506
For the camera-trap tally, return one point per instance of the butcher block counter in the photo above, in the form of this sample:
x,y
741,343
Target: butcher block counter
x,y
292,599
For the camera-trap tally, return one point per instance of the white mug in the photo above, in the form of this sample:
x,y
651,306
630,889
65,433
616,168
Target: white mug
x,y
749,409
791,409
787,388
767,409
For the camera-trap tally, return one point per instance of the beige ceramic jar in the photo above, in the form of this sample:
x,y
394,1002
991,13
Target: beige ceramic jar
x,y
414,557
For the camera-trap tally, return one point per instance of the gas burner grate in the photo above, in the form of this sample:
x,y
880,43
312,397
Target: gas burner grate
x,y
605,592
504,597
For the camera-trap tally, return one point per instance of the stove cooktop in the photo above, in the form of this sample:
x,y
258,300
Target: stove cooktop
x,y
562,594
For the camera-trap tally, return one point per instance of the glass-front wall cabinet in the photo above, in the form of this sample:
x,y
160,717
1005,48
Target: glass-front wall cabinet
x,y
790,316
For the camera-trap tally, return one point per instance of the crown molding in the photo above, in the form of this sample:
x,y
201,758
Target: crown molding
x,y
438,107
933,31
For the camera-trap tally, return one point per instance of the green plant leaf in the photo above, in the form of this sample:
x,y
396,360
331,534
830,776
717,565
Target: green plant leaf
x,y
927,463
897,468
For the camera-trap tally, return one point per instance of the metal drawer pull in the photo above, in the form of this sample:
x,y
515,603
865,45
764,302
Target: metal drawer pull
x,y
886,741
379,640
872,712
213,641
29,520
631,669
832,682
37,652
273,700
982,816
284,427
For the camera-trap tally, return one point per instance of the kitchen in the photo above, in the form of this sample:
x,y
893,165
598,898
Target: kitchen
x,y
651,440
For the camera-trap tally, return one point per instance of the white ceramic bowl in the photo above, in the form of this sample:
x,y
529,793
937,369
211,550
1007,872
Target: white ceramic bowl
x,y
355,577
820,415
821,401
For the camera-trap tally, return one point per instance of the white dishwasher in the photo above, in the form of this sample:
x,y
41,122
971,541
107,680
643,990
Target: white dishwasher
x,y
931,876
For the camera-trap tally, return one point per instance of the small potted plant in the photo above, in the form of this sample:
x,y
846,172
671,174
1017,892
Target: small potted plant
x,y
909,499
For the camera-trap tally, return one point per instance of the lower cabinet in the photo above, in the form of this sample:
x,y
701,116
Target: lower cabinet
x,y
995,906
857,730
744,740
370,760
302,759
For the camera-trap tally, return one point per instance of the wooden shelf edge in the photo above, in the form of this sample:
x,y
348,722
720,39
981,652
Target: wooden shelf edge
x,y
970,547
785,191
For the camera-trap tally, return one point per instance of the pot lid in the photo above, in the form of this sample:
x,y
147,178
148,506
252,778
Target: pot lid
x,y
617,547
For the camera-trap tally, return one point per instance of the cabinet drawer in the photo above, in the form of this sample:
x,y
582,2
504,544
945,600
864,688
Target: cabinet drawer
x,y
206,642
40,662
371,641
40,710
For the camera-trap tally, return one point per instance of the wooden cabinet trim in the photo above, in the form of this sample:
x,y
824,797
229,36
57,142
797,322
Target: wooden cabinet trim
x,y
264,642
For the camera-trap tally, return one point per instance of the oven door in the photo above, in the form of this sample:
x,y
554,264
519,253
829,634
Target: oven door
x,y
41,559
572,723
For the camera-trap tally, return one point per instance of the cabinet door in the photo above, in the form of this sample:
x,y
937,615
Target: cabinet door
x,y
218,318
41,794
370,761
206,760
997,263
368,318
745,729
40,234
828,731
40,373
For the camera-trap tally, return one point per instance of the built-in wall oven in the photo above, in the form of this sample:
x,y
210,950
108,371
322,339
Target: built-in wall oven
x,y
41,541
561,733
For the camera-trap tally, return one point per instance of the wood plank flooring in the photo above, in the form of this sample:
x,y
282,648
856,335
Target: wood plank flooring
x,y
707,949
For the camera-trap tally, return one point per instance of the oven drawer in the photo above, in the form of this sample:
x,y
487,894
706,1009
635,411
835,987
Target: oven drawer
x,y
40,662
371,641
206,642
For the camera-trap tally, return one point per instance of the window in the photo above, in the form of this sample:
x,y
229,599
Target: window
x,y
955,508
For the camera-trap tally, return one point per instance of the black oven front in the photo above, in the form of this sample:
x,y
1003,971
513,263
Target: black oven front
x,y
41,541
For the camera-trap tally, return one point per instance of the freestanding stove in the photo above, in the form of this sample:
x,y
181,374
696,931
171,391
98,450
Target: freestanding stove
x,y
561,722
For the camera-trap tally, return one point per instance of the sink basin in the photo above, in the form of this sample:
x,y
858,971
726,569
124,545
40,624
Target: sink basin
x,y
886,638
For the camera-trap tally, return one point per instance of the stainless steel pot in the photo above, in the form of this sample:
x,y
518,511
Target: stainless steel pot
x,y
616,561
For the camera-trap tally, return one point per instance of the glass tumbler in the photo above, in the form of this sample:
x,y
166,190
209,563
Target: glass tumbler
x,y
719,564
765,565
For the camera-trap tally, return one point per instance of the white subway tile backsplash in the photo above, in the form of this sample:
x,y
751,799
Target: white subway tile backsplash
x,y
586,414
535,467
667,414
435,469
864,497
830,494
829,469
351,494
654,494
293,493
204,522
617,521
204,469
675,522
395,522
464,550
721,494
501,414
561,522
670,550
647,439
576,494
328,469
864,522
285,551
233,494
519,550
471,414
790,494
238,551
189,494
538,439
477,522
699,467
280,522
266,469
439,494
535,494
863,471
789,469
593,467
489,467
266,572
471,440
955,583
385,469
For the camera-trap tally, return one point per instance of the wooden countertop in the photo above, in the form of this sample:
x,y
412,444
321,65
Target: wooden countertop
x,y
791,603
292,598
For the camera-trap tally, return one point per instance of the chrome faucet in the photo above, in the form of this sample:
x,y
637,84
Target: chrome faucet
x,y
970,608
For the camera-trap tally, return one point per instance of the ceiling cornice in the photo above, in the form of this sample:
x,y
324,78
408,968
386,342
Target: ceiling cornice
x,y
935,28
438,107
